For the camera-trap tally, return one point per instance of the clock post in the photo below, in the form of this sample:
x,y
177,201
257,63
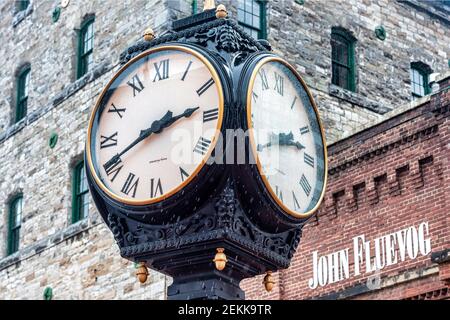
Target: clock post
x,y
221,221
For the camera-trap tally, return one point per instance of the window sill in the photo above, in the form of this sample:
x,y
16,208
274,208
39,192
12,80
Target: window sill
x,y
70,90
50,241
21,15
356,99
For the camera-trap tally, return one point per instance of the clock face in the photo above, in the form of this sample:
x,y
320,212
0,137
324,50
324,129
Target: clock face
x,y
155,125
286,137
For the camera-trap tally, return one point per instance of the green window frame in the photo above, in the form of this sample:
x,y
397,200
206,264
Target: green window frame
x,y
252,17
14,224
22,4
23,81
85,46
343,59
419,75
80,193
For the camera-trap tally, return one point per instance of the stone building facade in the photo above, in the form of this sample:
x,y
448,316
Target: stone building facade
x,y
80,260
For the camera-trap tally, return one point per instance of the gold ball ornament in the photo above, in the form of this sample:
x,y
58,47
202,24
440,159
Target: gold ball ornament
x,y
149,35
268,281
221,12
142,273
220,259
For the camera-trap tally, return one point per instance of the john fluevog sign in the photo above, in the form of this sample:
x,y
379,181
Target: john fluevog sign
x,y
205,156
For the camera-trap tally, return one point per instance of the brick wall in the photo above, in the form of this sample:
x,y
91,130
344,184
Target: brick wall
x,y
384,179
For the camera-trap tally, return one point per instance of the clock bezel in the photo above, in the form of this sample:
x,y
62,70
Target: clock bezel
x,y
253,147
219,87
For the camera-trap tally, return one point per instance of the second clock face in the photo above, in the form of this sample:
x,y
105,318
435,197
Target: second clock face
x,y
155,125
287,138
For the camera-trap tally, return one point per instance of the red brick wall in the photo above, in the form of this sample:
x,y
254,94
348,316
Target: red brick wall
x,y
381,180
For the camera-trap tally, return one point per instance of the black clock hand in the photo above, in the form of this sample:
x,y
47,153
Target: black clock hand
x,y
157,127
282,139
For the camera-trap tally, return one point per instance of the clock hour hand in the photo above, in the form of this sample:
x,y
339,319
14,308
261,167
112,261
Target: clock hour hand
x,y
281,139
156,127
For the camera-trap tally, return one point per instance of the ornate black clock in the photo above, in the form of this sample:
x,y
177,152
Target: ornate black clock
x,y
157,172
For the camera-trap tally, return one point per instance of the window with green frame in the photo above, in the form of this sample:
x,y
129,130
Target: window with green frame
x,y
252,17
86,46
419,74
343,59
23,81
80,193
22,4
14,223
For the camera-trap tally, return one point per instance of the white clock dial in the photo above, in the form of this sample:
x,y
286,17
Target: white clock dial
x,y
156,124
287,138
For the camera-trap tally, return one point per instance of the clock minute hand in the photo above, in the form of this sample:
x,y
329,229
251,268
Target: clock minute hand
x,y
157,127
287,139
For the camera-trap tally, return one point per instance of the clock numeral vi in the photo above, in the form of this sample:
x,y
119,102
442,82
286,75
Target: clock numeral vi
x,y
113,168
305,185
155,188
308,159
279,193
210,115
279,83
114,109
205,87
136,85
106,142
162,70
294,199
130,185
202,145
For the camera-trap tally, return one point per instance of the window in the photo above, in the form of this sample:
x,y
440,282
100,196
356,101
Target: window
x,y
419,74
343,59
80,197
252,17
23,81
86,46
15,219
22,4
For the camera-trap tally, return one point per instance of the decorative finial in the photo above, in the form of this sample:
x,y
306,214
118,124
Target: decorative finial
x,y
208,4
221,12
220,259
268,281
149,35
142,273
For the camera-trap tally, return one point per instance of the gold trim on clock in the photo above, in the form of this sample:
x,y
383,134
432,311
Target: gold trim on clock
x,y
253,144
219,88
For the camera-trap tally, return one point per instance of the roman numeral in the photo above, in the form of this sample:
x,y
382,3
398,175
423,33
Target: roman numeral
x,y
162,70
202,145
264,82
205,87
106,142
305,185
187,70
308,159
113,168
118,111
254,96
294,199
130,185
279,83
136,85
304,130
183,174
210,115
293,103
279,193
155,189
